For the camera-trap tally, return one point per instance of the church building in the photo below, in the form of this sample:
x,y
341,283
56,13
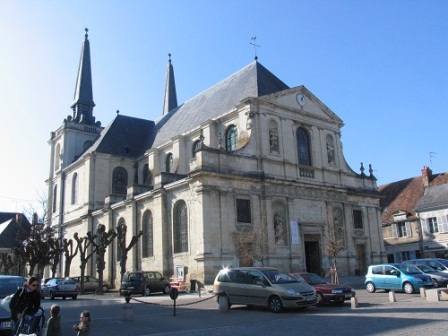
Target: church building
x,y
248,172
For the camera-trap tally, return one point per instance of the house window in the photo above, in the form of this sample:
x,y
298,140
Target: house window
x,y
148,237
400,230
119,181
303,147
432,225
357,219
180,227
75,189
169,161
243,214
55,198
231,138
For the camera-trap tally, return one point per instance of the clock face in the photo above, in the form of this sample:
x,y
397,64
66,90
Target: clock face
x,y
301,99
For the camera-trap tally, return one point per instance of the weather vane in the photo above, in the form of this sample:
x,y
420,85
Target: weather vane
x,y
432,155
254,38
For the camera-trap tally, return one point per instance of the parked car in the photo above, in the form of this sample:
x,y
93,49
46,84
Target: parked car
x,y
8,285
437,264
91,283
144,282
326,291
407,278
60,287
438,278
262,286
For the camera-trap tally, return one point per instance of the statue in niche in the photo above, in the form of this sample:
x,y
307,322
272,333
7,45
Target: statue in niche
x,y
273,140
330,153
279,229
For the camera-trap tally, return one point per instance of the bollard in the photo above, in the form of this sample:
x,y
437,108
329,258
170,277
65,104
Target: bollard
x,y
354,302
127,313
423,293
223,302
392,297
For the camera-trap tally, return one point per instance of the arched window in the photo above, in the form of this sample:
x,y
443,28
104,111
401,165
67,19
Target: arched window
x,y
55,197
148,237
304,149
169,161
121,238
57,157
75,188
180,227
147,176
119,181
330,150
231,138
196,147
273,137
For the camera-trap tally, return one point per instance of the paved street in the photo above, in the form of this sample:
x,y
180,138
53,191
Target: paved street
x,y
411,315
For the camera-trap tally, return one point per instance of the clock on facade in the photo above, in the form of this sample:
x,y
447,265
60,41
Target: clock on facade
x,y
301,99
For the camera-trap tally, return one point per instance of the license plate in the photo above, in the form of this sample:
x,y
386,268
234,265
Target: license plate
x,y
348,296
130,288
6,325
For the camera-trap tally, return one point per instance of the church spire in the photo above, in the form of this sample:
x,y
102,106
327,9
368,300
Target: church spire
x,y
83,101
170,101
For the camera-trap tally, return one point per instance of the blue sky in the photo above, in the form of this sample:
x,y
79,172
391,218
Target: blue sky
x,y
381,66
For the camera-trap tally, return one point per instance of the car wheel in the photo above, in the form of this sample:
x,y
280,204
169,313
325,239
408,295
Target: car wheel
x,y
370,287
408,288
436,283
224,302
105,288
51,296
275,304
74,297
320,299
166,289
147,291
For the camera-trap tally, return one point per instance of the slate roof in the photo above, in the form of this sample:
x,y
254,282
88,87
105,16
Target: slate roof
x,y
253,80
9,228
405,195
126,136
436,196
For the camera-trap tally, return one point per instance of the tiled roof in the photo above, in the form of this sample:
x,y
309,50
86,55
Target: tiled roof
x,y
405,194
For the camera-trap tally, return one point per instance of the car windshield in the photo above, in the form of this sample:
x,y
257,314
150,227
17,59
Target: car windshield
x,y
408,269
443,262
425,269
10,286
314,279
277,277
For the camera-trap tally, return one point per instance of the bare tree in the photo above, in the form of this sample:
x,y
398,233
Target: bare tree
x,y
84,244
101,241
335,242
55,250
121,236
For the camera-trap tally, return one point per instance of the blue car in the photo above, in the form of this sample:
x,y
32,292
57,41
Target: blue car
x,y
398,277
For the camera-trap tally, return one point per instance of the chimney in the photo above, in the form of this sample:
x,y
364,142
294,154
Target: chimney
x,y
426,175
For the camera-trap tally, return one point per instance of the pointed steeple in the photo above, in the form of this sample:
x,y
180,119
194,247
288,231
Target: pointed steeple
x,y
170,101
83,101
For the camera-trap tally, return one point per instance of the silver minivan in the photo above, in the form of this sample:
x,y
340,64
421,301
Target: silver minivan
x,y
262,286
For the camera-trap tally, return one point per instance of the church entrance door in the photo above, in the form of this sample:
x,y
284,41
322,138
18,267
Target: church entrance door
x,y
312,256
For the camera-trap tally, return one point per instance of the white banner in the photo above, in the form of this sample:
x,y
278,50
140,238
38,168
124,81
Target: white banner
x,y
295,234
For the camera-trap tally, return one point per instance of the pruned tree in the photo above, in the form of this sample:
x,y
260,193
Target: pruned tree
x,y
86,247
335,241
101,241
56,250
70,251
121,236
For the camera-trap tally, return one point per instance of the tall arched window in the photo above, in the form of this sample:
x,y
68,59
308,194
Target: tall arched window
x,y
119,181
121,238
75,188
147,176
148,237
57,157
55,197
180,227
169,161
303,147
231,138
273,137
330,150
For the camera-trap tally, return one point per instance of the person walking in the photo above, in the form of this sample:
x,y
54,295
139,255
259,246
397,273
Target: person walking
x,y
25,300
54,322
83,328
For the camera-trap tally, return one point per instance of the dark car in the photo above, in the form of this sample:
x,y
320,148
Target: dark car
x,y
144,282
326,291
60,287
8,285
440,279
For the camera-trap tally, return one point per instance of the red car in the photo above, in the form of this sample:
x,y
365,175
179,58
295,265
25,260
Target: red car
x,y
326,291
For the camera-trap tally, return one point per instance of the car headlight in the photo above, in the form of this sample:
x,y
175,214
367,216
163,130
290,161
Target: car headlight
x,y
292,292
419,279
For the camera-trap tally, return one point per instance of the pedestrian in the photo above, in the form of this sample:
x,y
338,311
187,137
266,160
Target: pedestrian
x,y
54,322
83,328
26,299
